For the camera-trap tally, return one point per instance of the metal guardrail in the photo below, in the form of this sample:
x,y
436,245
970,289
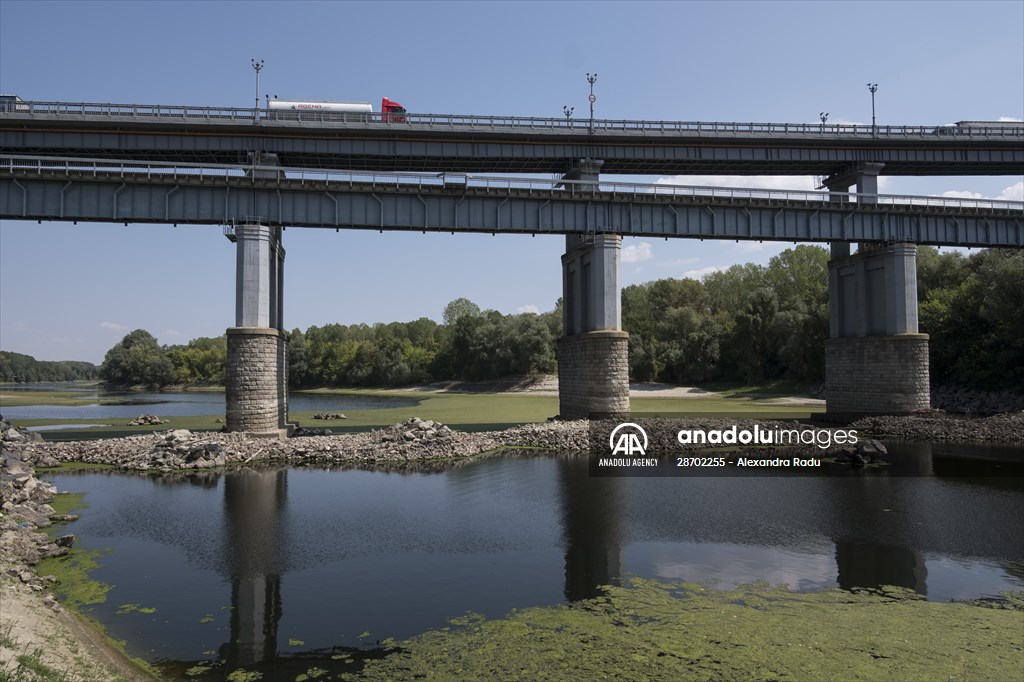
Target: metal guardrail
x,y
74,167
144,112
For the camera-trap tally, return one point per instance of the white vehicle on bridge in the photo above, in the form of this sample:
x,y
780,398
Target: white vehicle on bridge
x,y
390,111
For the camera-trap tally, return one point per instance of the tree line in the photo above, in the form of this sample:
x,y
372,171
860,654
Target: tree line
x,y
748,324
19,368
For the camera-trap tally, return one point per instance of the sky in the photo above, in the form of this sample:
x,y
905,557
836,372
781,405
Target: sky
x,y
71,292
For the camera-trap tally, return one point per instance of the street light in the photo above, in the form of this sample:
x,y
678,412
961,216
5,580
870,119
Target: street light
x,y
256,112
823,116
873,87
567,110
592,98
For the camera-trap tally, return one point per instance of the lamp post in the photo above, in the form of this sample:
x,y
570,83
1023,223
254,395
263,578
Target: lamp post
x,y
823,116
256,112
567,110
592,98
873,87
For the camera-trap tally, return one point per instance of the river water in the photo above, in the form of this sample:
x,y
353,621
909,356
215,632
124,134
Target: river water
x,y
278,569
112,405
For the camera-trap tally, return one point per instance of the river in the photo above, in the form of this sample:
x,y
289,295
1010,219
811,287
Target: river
x,y
277,569
126,405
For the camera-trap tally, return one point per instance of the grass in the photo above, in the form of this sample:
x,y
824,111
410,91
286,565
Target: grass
x,y
463,411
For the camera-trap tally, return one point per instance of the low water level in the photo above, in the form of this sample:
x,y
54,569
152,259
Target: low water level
x,y
199,403
277,568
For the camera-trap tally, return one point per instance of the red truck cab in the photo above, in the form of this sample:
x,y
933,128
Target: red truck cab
x,y
391,111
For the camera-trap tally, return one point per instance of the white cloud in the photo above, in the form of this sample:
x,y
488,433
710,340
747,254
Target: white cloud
x,y
114,326
704,272
528,309
1010,119
1014,192
170,332
635,253
798,182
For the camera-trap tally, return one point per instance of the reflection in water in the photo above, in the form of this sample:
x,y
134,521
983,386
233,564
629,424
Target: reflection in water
x,y
592,512
253,502
873,565
395,554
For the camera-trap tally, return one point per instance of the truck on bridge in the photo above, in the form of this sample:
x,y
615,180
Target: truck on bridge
x,y
390,110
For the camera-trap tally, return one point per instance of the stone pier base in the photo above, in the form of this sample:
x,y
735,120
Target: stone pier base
x,y
876,375
593,375
256,385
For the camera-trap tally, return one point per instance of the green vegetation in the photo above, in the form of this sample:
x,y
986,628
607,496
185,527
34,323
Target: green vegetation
x,y
19,368
748,324
970,307
677,632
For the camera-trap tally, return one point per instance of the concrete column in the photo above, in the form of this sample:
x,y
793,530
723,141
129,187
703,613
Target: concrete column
x,y
876,362
256,381
593,354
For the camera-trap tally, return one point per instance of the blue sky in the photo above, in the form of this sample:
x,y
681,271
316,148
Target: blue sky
x,y
71,292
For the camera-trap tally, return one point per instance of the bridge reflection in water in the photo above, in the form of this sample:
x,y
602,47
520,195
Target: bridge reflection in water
x,y
880,531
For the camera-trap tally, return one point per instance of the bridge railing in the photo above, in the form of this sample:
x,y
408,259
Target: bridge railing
x,y
433,182
534,124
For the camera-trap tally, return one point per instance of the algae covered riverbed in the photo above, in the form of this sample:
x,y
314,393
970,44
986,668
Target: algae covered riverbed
x,y
660,631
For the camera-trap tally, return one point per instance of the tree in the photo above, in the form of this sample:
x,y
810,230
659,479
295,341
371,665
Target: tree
x,y
137,360
457,309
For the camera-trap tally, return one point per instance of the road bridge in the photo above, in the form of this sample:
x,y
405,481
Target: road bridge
x,y
257,172
506,144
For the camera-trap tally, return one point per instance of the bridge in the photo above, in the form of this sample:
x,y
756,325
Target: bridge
x,y
256,172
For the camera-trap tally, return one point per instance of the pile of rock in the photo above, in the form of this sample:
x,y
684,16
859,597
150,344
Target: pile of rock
x,y
327,416
9,434
966,401
147,420
181,450
415,430
26,510
865,452
938,426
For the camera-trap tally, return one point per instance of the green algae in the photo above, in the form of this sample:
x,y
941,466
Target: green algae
x,y
658,631
68,503
134,608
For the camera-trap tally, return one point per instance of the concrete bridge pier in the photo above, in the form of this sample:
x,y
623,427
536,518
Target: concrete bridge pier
x,y
876,362
256,385
593,353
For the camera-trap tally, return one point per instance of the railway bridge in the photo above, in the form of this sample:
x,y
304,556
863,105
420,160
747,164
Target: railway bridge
x,y
256,173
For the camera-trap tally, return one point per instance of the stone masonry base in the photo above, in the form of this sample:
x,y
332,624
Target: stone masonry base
x,y
256,385
876,375
593,375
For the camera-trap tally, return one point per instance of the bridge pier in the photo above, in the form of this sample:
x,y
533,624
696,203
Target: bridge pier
x,y
256,384
593,353
876,362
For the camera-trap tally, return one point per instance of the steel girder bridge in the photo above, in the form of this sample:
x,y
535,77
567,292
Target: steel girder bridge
x,y
506,144
44,188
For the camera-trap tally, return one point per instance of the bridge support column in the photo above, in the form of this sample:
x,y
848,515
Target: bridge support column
x,y
256,385
593,353
876,362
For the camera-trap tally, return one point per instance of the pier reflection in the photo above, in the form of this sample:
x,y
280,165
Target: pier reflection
x,y
592,515
253,504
